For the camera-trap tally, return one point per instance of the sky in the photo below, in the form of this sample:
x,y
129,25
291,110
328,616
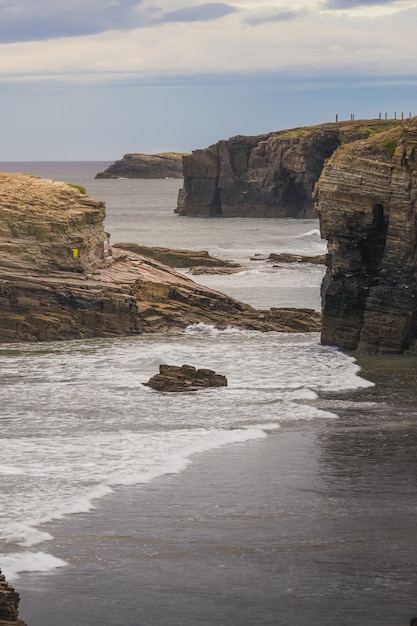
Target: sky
x,y
95,79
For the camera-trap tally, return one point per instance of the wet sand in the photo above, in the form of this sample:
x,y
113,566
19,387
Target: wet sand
x,y
313,525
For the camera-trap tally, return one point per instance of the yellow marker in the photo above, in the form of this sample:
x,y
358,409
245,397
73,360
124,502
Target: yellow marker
x,y
74,252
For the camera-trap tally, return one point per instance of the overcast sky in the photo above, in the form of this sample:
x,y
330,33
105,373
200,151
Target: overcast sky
x,y
94,79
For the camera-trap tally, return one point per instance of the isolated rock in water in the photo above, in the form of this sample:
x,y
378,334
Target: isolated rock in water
x,y
185,378
271,175
161,165
9,602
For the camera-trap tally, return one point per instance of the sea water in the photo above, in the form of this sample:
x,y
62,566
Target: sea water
x,y
76,418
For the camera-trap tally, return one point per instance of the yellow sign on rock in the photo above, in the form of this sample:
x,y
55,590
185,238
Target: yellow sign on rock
x,y
74,252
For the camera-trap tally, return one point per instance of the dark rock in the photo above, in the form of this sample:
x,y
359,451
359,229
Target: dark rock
x,y
270,175
9,602
286,257
162,165
366,202
176,378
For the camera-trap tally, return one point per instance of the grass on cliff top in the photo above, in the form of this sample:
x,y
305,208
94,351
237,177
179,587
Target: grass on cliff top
x,y
366,128
174,153
383,145
80,188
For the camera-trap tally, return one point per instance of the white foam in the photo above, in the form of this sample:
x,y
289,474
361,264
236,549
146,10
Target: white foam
x,y
19,562
309,233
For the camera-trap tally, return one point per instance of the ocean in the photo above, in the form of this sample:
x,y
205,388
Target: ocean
x,y
290,495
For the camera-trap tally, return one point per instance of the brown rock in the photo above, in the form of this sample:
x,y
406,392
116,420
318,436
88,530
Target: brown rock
x,y
270,175
366,201
174,378
9,602
161,165
63,296
48,226
285,257
177,258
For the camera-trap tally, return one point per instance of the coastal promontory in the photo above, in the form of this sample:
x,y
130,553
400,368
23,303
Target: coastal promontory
x,y
366,200
161,165
60,278
271,175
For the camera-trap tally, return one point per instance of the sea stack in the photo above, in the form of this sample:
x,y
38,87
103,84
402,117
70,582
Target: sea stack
x,y
366,200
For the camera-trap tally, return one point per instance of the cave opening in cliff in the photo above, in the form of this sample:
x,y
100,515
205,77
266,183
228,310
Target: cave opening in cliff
x,y
372,248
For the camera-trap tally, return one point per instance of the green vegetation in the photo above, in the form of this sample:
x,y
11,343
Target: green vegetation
x,y
174,153
80,188
389,147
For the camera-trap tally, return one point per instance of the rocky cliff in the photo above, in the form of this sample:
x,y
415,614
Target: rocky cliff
x,y
162,165
9,602
270,175
366,200
60,280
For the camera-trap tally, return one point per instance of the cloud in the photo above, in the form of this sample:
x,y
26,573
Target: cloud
x,y
202,12
351,4
274,16
39,20
29,20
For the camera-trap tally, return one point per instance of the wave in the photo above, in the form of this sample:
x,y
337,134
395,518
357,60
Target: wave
x,y
25,535
212,331
309,233
18,562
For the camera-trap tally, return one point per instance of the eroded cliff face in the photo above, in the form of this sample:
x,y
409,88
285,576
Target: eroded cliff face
x,y
366,201
59,281
48,226
136,165
269,175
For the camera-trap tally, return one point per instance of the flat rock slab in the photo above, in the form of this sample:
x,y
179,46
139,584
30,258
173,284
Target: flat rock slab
x,y
175,378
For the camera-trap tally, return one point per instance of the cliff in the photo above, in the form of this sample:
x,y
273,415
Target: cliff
x,y
366,201
270,175
9,602
60,280
163,165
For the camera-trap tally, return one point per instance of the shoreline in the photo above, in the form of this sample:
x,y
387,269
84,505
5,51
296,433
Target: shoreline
x,y
242,536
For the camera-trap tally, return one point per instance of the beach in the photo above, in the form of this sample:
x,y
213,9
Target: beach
x,y
278,531
287,498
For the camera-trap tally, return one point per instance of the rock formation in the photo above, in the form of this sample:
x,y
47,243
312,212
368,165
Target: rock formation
x,y
270,175
9,602
286,257
60,280
176,378
162,165
177,258
366,200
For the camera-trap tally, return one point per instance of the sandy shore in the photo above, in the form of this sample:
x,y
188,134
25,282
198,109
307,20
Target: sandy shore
x,y
270,532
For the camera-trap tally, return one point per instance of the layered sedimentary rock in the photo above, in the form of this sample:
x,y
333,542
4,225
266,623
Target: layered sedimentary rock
x,y
162,165
60,280
180,378
271,175
9,603
366,201
177,258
